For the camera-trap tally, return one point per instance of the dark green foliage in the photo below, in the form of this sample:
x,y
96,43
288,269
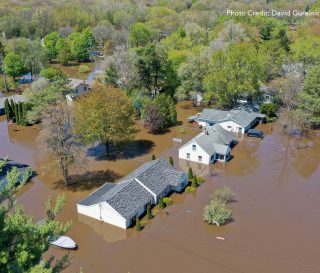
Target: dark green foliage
x,y
16,113
190,173
111,75
7,109
161,204
153,157
269,109
149,212
194,182
171,161
138,224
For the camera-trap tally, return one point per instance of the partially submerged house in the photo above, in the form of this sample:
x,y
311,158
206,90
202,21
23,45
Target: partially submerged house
x,y
213,144
236,120
78,88
119,203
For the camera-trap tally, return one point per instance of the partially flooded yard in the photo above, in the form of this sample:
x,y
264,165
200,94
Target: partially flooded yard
x,y
275,226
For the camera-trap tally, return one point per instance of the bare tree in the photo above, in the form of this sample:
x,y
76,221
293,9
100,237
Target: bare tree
x,y
62,146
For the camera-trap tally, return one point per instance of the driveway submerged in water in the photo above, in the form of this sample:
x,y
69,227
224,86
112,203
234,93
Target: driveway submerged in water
x,y
275,227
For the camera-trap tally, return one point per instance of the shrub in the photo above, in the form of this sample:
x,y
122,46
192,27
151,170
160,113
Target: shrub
x,y
161,204
194,182
182,130
167,201
153,157
269,109
190,173
138,225
223,195
171,161
149,212
84,68
52,74
190,189
217,213
201,179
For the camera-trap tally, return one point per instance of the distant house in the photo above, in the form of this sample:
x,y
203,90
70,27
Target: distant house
x,y
15,98
236,120
213,144
78,88
119,203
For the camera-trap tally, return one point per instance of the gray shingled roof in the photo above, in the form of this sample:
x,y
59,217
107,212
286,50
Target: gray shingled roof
x,y
15,98
129,195
214,139
241,117
74,83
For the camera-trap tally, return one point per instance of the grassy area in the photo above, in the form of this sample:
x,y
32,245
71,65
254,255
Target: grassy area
x,y
72,70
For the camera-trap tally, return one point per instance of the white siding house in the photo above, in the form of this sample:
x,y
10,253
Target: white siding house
x,y
118,204
78,88
214,144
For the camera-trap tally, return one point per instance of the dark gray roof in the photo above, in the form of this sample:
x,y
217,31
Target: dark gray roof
x,y
241,116
129,195
214,139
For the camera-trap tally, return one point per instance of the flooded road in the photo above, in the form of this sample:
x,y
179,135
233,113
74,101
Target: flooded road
x,y
275,227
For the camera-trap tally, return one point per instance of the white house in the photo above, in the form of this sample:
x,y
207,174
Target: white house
x,y
78,88
236,120
213,144
118,204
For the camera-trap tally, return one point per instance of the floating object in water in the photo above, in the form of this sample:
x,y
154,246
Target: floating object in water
x,y
220,238
188,210
65,242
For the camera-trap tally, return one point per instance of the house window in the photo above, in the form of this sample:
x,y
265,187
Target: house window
x,y
85,88
188,155
212,157
200,158
194,147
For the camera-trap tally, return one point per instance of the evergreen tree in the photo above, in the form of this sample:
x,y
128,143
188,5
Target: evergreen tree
x,y
20,111
149,212
7,109
16,114
190,173
161,204
194,182
171,161
138,225
153,157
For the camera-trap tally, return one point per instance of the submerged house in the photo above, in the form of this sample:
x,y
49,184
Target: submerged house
x,y
78,88
236,120
119,203
213,144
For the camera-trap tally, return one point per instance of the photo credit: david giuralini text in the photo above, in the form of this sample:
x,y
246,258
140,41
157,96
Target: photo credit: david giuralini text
x,y
273,13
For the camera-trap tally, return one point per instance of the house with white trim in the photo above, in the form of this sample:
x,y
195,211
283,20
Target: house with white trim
x,y
236,120
78,88
213,144
119,203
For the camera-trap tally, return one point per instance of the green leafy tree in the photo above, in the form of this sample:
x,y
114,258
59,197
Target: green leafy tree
x,y
23,242
14,66
161,204
82,44
224,195
216,213
110,116
111,75
309,98
63,49
50,42
269,109
140,35
53,74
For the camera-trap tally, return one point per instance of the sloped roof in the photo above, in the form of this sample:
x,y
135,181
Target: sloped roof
x,y
241,116
129,195
214,140
15,98
74,83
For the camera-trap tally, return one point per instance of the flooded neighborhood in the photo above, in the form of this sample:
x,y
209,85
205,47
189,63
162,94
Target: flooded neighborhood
x,y
274,226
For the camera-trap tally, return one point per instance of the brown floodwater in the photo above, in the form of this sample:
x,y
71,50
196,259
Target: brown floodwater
x,y
275,226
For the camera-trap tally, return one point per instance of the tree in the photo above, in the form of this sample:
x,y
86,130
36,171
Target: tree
x,y
155,70
149,212
138,224
111,75
269,109
109,118
161,204
63,48
194,182
159,114
309,98
153,157
63,147
190,173
7,109
140,35
171,161
23,242
224,195
216,213
50,42
233,73
82,44
53,74
2,56
14,66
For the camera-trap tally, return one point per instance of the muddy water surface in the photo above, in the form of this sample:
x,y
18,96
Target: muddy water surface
x,y
275,227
